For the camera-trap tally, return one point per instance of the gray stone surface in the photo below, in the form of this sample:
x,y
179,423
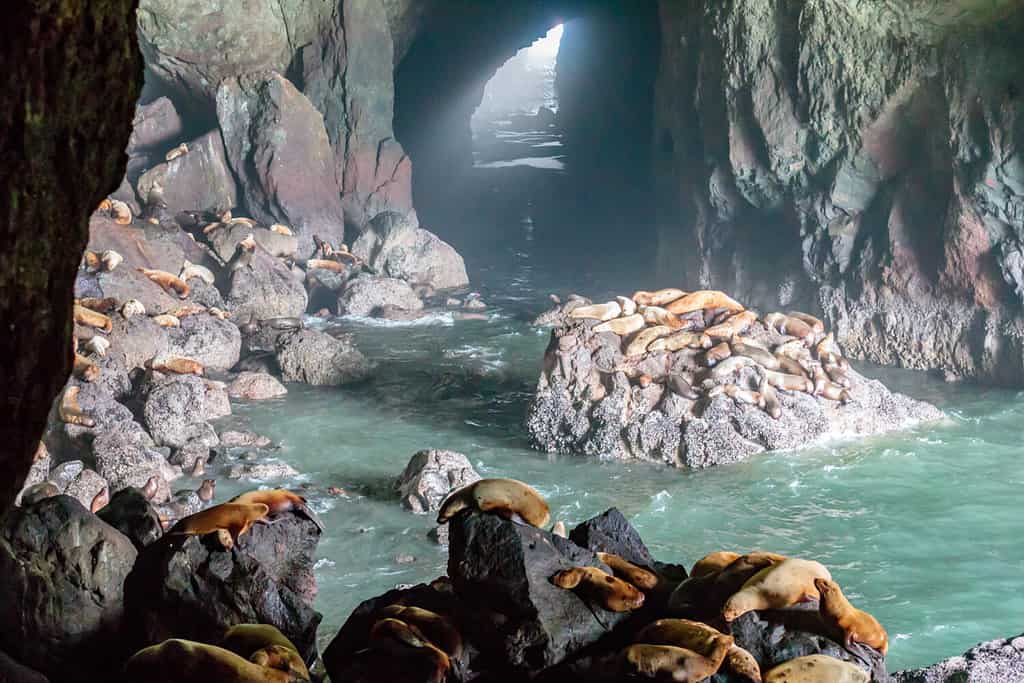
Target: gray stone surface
x,y
430,476
996,661
366,293
319,359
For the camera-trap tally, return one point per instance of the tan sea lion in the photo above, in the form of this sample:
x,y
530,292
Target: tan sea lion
x,y
178,366
325,264
85,370
265,645
696,301
281,229
211,227
208,487
759,355
741,663
121,212
234,518
854,625
612,594
171,283
692,635
627,305
167,320
506,498
707,592
816,669
190,270
781,380
606,311
665,663
783,324
732,326
438,629
132,307
834,392
627,571
111,260
682,339
776,587
730,365
280,500
179,151
653,315
770,399
397,637
90,318
638,345
713,562
828,352
104,305
680,385
716,354
218,313
789,365
243,221
814,323
622,326
660,297
100,500
177,661
91,261
70,412
838,376
187,310
744,396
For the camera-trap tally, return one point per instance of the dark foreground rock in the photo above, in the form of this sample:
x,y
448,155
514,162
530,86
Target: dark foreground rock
x,y
130,512
62,573
14,672
996,661
191,587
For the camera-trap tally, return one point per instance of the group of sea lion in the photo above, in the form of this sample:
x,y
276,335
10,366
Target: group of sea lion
x,y
416,638
711,336
721,587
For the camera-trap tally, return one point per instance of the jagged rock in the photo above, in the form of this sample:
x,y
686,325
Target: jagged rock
x,y
85,487
62,572
156,127
256,386
262,471
995,661
367,292
15,672
394,245
558,315
130,512
430,476
611,532
277,144
63,474
319,359
198,180
226,238
190,587
235,438
126,462
215,343
175,411
265,288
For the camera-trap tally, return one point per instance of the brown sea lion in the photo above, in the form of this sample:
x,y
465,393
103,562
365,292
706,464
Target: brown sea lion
x,y
70,412
179,151
707,592
776,587
781,380
696,301
770,399
793,327
816,669
838,375
187,310
759,355
713,562
507,498
692,635
121,212
854,625
716,354
265,645
167,320
100,500
660,297
325,264
828,352
665,663
622,326
683,339
733,325
834,392
234,518
90,318
744,396
280,500
85,370
638,345
397,637
104,305
281,229
177,661
741,663
654,315
643,579
815,324
437,628
789,365
190,270
171,283
730,365
612,594
680,385
606,311
178,366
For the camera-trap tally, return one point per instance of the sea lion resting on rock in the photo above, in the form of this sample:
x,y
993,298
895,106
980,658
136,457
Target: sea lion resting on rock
x,y
177,366
816,669
601,312
614,595
507,498
658,298
266,646
178,661
665,663
169,282
692,635
399,638
713,563
234,518
777,587
703,299
707,591
622,326
70,412
627,571
85,370
854,625
742,664
438,629
90,318
280,500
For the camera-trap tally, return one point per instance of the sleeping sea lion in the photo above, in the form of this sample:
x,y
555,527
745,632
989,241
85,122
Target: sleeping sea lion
x,y
70,412
396,637
190,270
507,498
167,320
280,500
653,315
265,645
702,299
622,326
793,327
816,669
742,664
733,325
612,594
171,283
660,297
713,562
682,339
602,312
627,305
178,366
692,635
627,571
665,663
843,619
776,587
84,369
437,628
90,318
177,661
716,354
638,345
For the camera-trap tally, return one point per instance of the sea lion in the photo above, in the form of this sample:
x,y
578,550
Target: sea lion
x,y
132,307
110,260
781,380
741,663
506,498
438,629
280,500
241,220
218,313
834,392
602,312
171,283
783,324
396,637
612,594
696,301
265,645
713,562
85,370
769,399
789,365
211,227
776,587
730,365
179,151
816,669
682,339
638,345
838,375
190,270
104,305
100,500
678,384
707,593
627,305
281,229
660,297
654,315
121,212
744,396
207,488
627,571
177,661
91,261
665,663
733,325
815,324
167,320
622,326
90,318
759,355
70,412
716,354
325,264
828,352
692,635
235,518
178,366
841,617
188,309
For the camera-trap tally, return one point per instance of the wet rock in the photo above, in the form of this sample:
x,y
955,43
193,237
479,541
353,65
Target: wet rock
x,y
188,455
256,386
992,662
263,363
430,476
15,672
199,180
393,244
319,359
62,572
611,532
262,471
265,288
156,127
130,512
124,461
213,342
234,438
190,587
390,312
367,292
175,411
278,146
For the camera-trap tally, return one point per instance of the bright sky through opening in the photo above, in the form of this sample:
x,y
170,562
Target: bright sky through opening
x,y
546,48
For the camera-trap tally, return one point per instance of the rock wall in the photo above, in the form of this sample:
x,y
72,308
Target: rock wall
x,y
858,158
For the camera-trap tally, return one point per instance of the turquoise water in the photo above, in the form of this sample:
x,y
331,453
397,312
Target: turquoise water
x,y
921,528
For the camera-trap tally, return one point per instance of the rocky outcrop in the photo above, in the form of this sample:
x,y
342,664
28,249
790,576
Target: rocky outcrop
x,y
395,245
199,180
430,476
213,342
61,593
130,512
265,288
175,411
992,662
255,386
366,293
319,359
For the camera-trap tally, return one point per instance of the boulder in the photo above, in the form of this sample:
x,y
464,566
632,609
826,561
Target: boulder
x,y
125,283
365,293
156,127
63,474
175,411
199,180
240,438
611,532
225,239
124,461
191,587
995,661
38,473
215,343
139,339
319,359
62,572
86,486
393,244
130,512
430,476
265,288
255,386
277,145
12,671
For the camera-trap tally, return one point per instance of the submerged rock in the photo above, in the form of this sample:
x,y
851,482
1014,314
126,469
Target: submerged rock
x,y
319,359
995,661
430,476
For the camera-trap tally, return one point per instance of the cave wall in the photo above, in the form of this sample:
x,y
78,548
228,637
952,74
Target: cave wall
x,y
860,159
72,74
